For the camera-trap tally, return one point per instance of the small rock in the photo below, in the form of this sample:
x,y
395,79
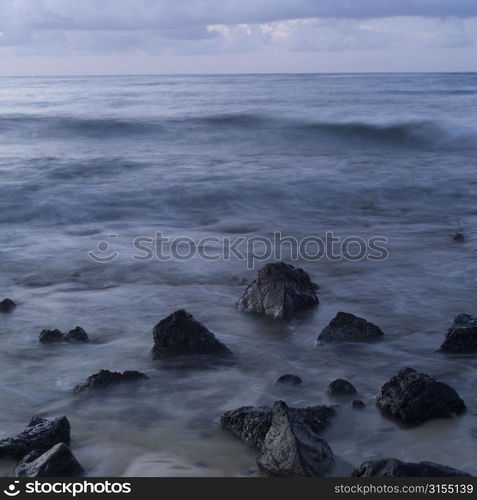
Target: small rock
x,y
391,467
77,335
357,404
289,379
279,291
346,326
40,435
105,378
414,398
341,387
180,334
292,448
461,338
457,237
56,462
7,305
51,336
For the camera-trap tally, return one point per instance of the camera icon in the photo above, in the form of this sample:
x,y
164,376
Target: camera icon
x,y
103,253
12,490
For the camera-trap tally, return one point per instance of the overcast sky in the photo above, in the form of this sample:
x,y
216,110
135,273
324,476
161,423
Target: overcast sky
x,y
229,36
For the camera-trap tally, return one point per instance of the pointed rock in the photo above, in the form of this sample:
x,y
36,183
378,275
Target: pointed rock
x,y
346,326
461,338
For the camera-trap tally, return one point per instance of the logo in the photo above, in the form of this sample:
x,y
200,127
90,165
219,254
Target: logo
x,y
12,490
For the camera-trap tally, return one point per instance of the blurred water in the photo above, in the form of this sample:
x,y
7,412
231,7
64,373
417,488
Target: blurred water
x,y
81,158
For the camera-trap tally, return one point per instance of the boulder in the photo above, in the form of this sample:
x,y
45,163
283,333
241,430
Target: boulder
x,y
341,387
279,291
7,305
357,404
391,467
289,379
346,326
53,336
77,335
40,435
105,378
461,338
414,398
181,335
292,448
56,462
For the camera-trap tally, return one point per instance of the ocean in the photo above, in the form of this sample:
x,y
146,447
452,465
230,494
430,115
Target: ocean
x,y
90,164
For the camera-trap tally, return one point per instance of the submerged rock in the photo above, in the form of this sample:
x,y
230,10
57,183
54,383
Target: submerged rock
x,y
105,378
458,237
279,291
180,334
289,379
357,404
77,335
346,326
461,338
56,462
414,398
7,305
341,387
391,467
53,336
40,435
292,447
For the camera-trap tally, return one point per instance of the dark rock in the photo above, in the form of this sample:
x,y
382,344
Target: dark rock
x,y
457,237
357,404
391,467
461,338
56,462
414,398
251,423
280,291
180,334
40,435
77,335
292,448
7,305
347,326
341,387
50,336
105,378
289,379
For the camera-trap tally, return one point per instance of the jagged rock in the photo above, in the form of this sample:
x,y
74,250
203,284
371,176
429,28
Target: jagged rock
x,y
251,423
391,467
461,338
105,378
414,398
341,387
457,237
7,305
289,379
357,404
40,435
346,326
77,335
52,336
292,448
56,462
280,291
180,334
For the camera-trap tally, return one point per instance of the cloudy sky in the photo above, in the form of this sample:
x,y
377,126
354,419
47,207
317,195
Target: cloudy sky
x,y
229,36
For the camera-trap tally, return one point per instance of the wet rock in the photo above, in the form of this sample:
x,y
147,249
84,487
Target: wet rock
x,y
461,338
7,305
357,404
279,291
341,387
77,335
56,462
414,398
53,336
180,334
458,237
346,326
50,336
40,435
105,378
391,467
289,379
251,423
293,448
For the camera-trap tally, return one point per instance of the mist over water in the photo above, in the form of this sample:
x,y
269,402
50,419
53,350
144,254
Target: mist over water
x,y
359,155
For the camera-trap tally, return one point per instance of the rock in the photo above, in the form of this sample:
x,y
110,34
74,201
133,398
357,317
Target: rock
x,y
457,237
279,291
180,334
461,338
50,336
56,462
289,379
341,387
251,423
105,378
357,404
77,335
346,326
40,435
391,467
414,398
292,448
7,305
